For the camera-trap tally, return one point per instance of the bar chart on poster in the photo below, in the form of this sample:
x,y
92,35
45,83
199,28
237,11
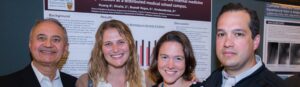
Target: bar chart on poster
x,y
147,19
144,49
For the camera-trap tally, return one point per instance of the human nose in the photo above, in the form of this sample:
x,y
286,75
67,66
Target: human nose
x,y
48,43
115,48
228,42
170,64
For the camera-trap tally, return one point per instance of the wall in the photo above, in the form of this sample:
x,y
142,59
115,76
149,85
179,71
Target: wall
x,y
16,19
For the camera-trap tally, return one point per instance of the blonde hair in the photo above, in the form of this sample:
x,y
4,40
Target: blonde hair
x,y
98,66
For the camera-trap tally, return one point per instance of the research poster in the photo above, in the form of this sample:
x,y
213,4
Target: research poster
x,y
281,44
147,19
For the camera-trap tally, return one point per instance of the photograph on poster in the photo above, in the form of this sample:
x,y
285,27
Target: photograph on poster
x,y
295,54
272,52
284,53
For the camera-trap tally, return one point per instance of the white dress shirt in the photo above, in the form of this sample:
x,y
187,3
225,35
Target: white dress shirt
x,y
45,81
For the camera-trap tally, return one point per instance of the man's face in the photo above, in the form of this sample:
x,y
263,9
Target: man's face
x,y
234,46
47,44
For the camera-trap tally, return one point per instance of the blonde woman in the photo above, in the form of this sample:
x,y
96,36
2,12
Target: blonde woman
x,y
113,62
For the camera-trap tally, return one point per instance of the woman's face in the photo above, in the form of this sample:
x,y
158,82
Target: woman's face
x,y
171,62
115,48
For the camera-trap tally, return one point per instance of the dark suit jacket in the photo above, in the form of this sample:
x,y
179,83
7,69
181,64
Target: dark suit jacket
x,y
262,77
27,78
293,81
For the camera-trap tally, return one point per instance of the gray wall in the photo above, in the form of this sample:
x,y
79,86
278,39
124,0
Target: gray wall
x,y
17,17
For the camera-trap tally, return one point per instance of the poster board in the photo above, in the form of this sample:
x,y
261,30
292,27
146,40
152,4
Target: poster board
x,y
147,19
281,45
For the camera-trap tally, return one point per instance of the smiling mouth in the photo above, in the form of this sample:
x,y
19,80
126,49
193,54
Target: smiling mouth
x,y
116,56
47,51
170,72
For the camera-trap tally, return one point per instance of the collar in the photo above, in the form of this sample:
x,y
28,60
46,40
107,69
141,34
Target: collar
x,y
245,73
40,76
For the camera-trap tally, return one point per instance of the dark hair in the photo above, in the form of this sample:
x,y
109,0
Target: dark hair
x,y
190,61
254,21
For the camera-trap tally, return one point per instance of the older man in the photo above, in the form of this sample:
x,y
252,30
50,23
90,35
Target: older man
x,y
48,44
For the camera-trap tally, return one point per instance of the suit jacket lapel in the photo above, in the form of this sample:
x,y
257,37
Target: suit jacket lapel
x,y
29,78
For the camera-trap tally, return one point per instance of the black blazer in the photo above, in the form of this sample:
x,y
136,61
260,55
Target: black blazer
x,y
27,78
262,77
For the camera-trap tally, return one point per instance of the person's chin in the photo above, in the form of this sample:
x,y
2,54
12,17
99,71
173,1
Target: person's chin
x,y
118,65
170,81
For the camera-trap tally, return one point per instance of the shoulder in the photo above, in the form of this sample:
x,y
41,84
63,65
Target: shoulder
x,y
67,80
84,77
18,77
269,78
269,75
68,77
27,71
65,75
214,79
215,75
197,84
293,81
13,75
11,79
217,72
82,80
294,78
156,85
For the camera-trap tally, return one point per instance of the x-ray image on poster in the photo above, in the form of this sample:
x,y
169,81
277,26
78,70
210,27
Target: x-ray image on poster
x,y
295,54
284,53
272,52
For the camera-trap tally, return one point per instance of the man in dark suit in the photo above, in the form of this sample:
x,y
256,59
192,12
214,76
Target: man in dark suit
x,y
237,38
48,45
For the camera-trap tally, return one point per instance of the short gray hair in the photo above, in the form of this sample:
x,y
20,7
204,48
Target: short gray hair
x,y
53,21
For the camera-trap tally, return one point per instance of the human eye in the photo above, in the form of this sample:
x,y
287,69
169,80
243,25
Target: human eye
x,y
56,39
107,44
163,57
179,58
220,34
41,37
121,42
239,34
